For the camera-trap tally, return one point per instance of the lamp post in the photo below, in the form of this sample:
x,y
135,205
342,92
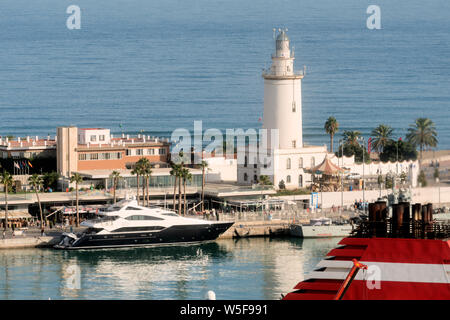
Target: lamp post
x,y
341,145
364,184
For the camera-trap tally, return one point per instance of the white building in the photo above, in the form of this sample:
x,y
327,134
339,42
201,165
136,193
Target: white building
x,y
287,159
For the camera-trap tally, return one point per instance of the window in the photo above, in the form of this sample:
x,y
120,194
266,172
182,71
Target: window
x,y
106,156
162,151
129,152
300,163
288,179
82,156
245,162
288,163
245,176
255,178
131,229
300,181
294,144
101,137
294,107
151,151
94,156
132,208
93,138
142,217
170,214
139,152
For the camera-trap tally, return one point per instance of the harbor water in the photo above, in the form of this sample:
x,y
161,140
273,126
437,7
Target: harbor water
x,y
253,268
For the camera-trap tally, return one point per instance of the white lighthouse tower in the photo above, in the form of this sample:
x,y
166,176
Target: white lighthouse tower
x,y
282,96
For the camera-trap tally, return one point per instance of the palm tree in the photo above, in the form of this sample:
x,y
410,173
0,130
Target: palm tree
x,y
36,181
423,134
351,137
382,137
174,173
115,176
180,174
76,177
331,127
7,180
146,171
187,176
137,172
204,166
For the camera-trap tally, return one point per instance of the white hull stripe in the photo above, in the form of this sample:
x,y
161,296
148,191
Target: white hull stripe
x,y
403,272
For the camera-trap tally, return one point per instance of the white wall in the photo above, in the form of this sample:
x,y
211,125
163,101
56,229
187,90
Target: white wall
x,y
221,169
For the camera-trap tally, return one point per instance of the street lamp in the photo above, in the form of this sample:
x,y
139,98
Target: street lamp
x,y
364,182
341,145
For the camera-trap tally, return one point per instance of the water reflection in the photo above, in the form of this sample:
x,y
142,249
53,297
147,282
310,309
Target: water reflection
x,y
235,269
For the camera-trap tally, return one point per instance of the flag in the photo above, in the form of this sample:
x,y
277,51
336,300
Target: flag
x,y
369,145
259,120
400,139
29,163
16,165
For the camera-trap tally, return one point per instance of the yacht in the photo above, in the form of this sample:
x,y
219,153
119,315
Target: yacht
x,y
320,228
126,224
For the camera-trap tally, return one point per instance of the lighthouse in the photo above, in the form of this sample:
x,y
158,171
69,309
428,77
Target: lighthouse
x,y
282,95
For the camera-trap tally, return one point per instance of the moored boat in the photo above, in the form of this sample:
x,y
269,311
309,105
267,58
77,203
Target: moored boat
x,y
126,224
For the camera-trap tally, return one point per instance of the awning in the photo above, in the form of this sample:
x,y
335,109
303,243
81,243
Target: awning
x,y
16,215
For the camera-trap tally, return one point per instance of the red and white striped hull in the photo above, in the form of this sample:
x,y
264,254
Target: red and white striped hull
x,y
399,269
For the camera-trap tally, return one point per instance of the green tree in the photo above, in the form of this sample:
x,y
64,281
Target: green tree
x,y
115,176
351,137
403,149
50,180
77,178
422,134
137,170
36,182
421,179
175,174
7,181
146,172
436,173
186,176
381,137
331,127
204,166
264,180
350,149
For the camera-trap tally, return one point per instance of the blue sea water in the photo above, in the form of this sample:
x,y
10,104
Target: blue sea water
x,y
160,65
256,269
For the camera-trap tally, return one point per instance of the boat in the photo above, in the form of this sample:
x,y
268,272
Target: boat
x,y
399,253
320,228
126,224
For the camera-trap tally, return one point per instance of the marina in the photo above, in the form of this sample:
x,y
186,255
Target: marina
x,y
178,151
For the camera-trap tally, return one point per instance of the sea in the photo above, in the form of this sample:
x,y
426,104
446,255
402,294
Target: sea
x,y
140,66
244,269
156,66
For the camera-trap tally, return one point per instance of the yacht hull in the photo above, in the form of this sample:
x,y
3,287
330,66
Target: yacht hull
x,y
178,234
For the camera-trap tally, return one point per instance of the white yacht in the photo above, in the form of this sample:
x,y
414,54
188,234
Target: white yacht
x,y
320,228
126,224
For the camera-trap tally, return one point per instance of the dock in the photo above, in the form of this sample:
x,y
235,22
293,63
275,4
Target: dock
x,y
29,242
267,228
